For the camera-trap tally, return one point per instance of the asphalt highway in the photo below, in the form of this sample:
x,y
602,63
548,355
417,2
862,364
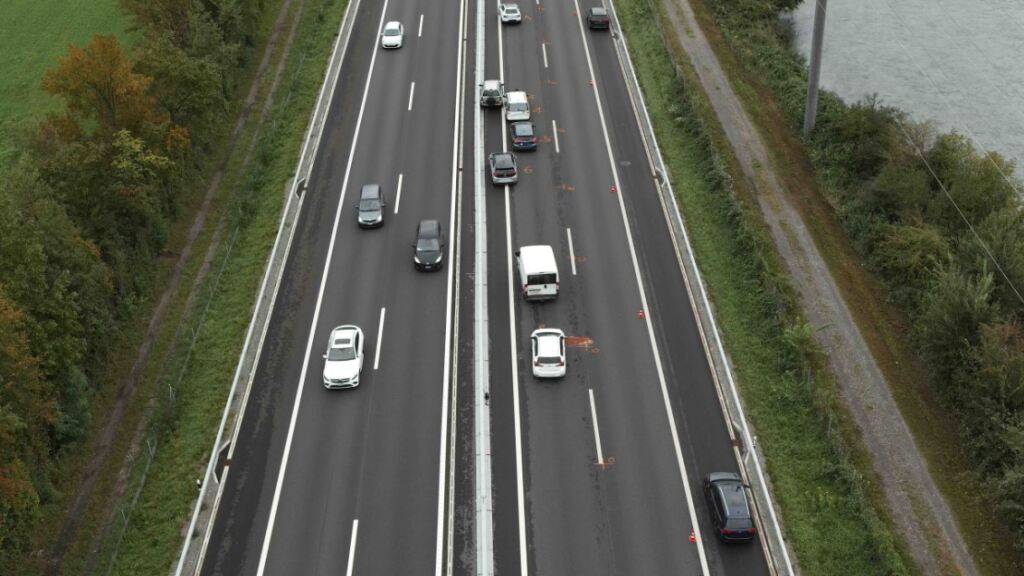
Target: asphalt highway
x,y
598,473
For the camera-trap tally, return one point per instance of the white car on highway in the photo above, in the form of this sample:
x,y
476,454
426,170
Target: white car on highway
x,y
343,360
510,13
392,35
548,353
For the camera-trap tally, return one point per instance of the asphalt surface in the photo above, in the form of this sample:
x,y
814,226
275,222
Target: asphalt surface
x,y
310,462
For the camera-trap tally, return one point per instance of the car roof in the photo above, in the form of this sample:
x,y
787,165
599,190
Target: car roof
x,y
548,342
370,191
734,499
598,11
538,258
492,83
393,24
516,95
429,228
504,159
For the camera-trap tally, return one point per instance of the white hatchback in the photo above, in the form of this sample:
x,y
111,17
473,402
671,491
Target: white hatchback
x,y
548,353
343,360
392,35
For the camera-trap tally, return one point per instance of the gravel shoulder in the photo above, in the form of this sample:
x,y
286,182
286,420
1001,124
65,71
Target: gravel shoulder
x,y
913,499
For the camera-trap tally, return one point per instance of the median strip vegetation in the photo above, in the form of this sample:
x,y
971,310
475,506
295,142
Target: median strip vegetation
x,y
828,519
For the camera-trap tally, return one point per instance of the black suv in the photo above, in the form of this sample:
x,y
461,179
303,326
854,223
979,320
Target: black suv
x,y
597,18
428,251
730,512
523,136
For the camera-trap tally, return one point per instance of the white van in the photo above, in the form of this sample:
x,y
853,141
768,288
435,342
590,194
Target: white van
x,y
517,106
538,273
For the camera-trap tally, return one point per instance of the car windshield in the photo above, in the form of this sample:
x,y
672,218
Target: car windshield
x,y
391,32
548,360
341,354
503,163
518,106
428,245
369,204
599,12
535,279
522,130
512,9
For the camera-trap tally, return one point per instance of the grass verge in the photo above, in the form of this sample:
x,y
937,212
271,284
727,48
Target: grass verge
x,y
808,441
33,33
753,60
205,367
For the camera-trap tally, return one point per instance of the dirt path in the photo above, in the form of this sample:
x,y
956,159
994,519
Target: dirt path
x,y
917,508
126,390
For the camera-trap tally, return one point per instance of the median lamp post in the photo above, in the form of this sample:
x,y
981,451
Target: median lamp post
x,y
811,110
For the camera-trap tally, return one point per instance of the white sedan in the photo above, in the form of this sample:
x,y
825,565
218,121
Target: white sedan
x,y
343,360
510,13
548,353
392,35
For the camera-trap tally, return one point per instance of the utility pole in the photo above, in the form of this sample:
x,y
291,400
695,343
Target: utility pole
x,y
811,111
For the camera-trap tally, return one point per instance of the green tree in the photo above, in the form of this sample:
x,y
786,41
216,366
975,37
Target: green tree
x,y
952,313
1003,235
978,184
26,411
908,258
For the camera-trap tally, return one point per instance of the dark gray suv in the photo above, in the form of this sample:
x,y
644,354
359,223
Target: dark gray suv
x,y
428,251
730,511
370,209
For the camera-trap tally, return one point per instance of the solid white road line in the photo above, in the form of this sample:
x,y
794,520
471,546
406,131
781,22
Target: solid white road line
x,y
702,554
398,193
352,547
380,338
554,132
520,491
316,310
544,52
420,33
412,90
597,431
572,253
453,270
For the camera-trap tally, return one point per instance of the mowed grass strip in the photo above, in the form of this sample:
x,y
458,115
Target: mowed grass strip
x,y
828,519
33,33
153,537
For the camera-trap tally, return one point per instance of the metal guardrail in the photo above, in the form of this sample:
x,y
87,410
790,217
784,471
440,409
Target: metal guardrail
x,y
190,559
744,442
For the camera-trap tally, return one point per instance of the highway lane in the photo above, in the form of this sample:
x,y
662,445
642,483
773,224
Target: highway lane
x,y
629,515
705,441
373,453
